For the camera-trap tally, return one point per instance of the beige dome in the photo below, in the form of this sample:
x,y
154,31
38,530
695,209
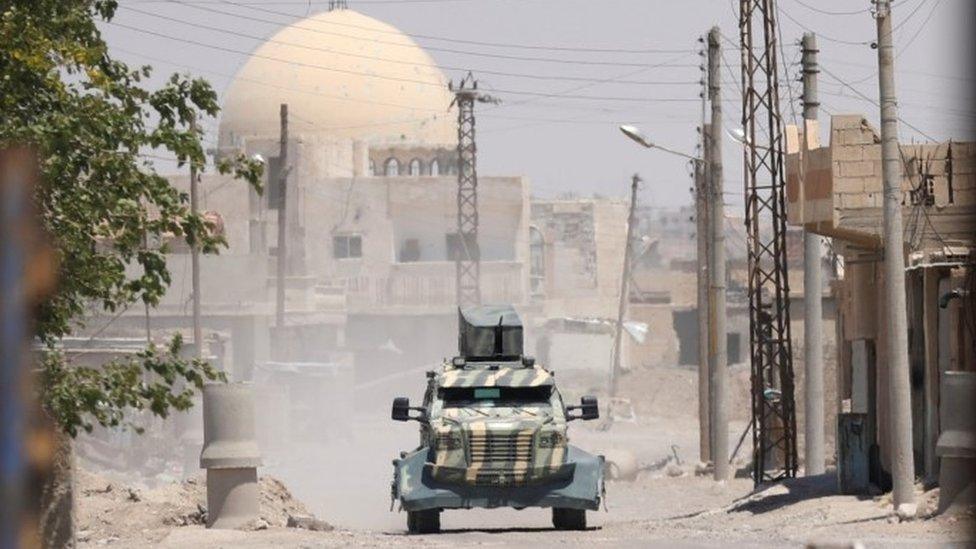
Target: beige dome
x,y
387,91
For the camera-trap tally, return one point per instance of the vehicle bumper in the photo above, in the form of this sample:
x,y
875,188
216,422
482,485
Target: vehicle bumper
x,y
582,488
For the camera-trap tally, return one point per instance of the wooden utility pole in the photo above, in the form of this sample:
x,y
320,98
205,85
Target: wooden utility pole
x,y
813,448
282,253
195,255
624,294
896,336
702,236
718,354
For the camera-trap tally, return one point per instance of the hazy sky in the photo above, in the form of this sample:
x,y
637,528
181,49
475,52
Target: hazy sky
x,y
570,144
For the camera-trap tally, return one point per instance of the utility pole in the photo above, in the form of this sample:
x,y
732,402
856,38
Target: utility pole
x,y
702,234
195,254
813,449
896,336
717,355
282,254
467,258
624,294
774,446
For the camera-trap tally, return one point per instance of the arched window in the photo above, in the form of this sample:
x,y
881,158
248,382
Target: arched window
x,y
372,167
415,167
435,167
392,167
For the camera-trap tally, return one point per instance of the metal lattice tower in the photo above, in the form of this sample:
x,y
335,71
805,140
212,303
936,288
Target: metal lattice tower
x,y
773,406
467,258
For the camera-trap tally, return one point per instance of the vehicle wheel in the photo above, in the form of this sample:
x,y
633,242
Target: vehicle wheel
x,y
568,519
427,521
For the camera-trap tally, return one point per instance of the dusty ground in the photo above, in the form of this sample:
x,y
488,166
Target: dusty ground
x,y
345,481
655,510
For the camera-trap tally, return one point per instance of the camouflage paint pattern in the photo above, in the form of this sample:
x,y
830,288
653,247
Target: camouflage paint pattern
x,y
496,376
492,453
497,445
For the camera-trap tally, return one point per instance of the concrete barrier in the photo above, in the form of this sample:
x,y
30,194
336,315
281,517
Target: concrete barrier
x,y
230,455
956,446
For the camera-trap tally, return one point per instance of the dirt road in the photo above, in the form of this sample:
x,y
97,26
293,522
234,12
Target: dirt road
x,y
350,490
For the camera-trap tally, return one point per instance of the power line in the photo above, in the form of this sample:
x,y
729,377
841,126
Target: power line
x,y
827,12
317,93
455,40
534,120
822,35
565,92
851,42
400,61
302,2
872,101
394,78
401,44
921,27
906,71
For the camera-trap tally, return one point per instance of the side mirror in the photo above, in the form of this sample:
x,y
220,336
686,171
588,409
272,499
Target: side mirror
x,y
528,361
401,410
588,407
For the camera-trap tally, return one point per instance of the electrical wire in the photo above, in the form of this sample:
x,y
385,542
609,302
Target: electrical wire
x,y
509,45
393,78
828,72
921,27
826,12
398,61
827,37
906,71
401,44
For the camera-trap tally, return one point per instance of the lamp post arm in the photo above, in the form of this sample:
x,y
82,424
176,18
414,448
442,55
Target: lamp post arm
x,y
676,153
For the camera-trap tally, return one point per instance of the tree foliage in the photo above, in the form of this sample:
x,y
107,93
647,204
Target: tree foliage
x,y
96,123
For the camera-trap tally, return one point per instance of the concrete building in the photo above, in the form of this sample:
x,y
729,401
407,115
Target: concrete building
x,y
836,191
371,208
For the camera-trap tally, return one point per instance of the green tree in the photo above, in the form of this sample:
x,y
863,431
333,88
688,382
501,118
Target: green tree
x,y
94,120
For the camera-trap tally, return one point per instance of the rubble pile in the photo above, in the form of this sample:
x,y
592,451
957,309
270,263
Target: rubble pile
x,y
111,508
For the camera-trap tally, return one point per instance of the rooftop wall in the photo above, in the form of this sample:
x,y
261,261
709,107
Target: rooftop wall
x,y
840,191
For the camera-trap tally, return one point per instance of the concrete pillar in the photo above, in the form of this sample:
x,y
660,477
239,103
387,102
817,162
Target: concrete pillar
x,y
930,312
230,455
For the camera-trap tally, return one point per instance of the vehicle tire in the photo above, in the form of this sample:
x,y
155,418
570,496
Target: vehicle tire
x,y
568,519
427,521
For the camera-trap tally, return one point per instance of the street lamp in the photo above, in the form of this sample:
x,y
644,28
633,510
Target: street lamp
x,y
711,297
739,136
637,135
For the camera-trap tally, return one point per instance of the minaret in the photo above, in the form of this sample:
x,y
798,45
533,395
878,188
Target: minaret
x,y
338,5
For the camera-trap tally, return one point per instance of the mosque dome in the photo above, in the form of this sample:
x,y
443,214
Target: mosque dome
x,y
343,74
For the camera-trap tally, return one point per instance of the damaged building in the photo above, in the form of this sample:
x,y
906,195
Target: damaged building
x,y
835,190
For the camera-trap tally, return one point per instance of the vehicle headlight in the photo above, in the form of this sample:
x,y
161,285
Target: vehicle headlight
x,y
449,441
552,439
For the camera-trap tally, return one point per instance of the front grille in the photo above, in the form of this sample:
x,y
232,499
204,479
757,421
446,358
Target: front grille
x,y
500,478
485,448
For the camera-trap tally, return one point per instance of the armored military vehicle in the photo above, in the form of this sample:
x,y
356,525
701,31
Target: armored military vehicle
x,y
493,433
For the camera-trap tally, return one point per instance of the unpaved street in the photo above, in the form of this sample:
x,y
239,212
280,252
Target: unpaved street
x,y
350,490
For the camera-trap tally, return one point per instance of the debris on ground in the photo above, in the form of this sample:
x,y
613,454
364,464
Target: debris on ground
x,y
309,522
110,506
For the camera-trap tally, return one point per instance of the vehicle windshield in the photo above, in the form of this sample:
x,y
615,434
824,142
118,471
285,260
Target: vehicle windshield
x,y
462,397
